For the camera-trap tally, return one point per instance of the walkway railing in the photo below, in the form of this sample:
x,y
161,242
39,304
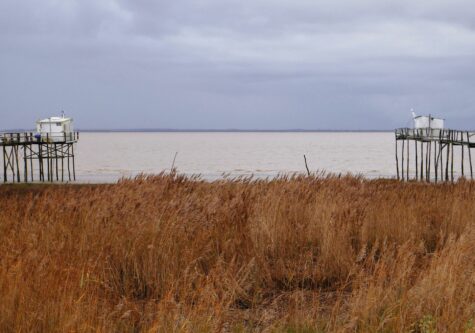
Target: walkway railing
x,y
18,138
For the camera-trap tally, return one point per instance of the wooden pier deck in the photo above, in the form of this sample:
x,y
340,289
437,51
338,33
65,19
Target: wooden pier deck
x,y
48,157
432,153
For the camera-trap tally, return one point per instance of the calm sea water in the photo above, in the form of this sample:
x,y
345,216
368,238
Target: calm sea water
x,y
105,157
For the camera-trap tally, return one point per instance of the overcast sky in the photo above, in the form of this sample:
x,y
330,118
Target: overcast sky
x,y
217,64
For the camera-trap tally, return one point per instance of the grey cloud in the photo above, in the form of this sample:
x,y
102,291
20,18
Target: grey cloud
x,y
231,64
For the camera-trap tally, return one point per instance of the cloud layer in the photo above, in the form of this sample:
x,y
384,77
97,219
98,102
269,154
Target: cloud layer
x,y
228,64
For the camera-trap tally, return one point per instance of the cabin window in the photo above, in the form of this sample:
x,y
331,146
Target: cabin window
x,y
58,124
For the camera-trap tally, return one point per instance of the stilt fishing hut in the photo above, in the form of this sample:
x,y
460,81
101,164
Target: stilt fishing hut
x,y
433,151
47,154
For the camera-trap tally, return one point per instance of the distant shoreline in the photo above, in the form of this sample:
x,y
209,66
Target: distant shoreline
x,y
230,131
172,130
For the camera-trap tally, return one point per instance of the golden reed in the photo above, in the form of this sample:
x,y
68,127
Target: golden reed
x,y
169,253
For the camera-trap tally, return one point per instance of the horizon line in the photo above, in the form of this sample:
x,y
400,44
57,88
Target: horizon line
x,y
224,130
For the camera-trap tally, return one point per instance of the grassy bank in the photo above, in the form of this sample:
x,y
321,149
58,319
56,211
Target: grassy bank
x,y
168,253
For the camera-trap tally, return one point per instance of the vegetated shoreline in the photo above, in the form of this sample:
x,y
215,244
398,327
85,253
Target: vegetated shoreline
x,y
173,253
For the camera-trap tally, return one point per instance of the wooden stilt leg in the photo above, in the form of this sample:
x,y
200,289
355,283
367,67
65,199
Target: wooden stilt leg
x,y
469,155
18,177
25,164
69,170
56,160
416,165
407,166
397,161
447,159
74,164
462,156
31,162
452,162
5,178
435,162
429,151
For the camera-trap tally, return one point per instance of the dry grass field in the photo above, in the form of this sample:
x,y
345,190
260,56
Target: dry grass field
x,y
168,253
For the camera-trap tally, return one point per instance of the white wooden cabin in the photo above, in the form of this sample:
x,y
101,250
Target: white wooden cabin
x,y
427,122
55,129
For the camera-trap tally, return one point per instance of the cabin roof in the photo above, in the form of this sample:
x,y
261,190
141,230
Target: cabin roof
x,y
431,117
54,120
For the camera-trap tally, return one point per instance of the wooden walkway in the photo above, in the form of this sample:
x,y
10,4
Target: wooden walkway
x,y
433,153
49,158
